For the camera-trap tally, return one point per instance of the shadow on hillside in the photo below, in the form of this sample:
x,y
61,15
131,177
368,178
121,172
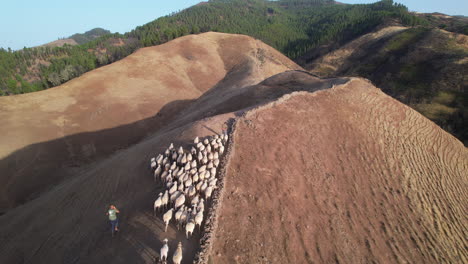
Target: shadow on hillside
x,y
30,171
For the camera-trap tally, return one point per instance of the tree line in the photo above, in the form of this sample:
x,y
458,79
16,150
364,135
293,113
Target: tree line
x,y
292,26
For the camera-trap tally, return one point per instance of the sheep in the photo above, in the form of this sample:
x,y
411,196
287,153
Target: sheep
x,y
157,203
173,188
179,201
201,205
191,191
210,156
153,165
173,166
208,148
178,214
202,169
184,159
226,137
167,217
199,219
201,147
157,172
165,199
188,166
169,181
164,250
189,157
205,160
181,187
177,257
213,182
210,165
207,175
221,149
206,141
195,178
209,192
213,171
188,182
174,196
216,163
159,159
195,200
193,151
179,159
167,152
171,146
196,140
180,172
215,155
199,156
174,156
167,166
180,151
164,175
204,186
189,228
194,164
193,170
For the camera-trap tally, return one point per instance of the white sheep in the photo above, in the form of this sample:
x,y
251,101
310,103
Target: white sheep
x,y
174,196
157,203
167,218
221,149
194,163
199,219
213,171
153,165
201,205
189,157
173,188
216,163
188,182
164,251
157,172
174,156
171,146
209,192
189,228
202,169
205,160
165,199
195,178
184,159
213,182
181,187
210,165
173,166
179,201
188,166
178,215
206,141
199,156
177,257
159,159
195,200
180,151
196,140
215,156
208,148
191,191
193,151
204,186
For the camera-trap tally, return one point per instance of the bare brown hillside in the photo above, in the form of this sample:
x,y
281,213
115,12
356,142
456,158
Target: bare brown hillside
x,y
50,135
346,175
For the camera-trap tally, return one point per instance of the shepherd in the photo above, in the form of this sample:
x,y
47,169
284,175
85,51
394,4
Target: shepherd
x,y
112,213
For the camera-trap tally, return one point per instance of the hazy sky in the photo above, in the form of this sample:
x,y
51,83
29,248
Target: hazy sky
x,y
35,22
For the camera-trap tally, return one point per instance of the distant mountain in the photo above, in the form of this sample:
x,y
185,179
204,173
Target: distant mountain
x,y
89,35
79,38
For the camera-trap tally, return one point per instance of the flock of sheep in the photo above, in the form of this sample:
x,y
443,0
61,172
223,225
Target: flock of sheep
x,y
190,179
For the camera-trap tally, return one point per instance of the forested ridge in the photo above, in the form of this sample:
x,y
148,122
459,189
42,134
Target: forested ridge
x,y
291,26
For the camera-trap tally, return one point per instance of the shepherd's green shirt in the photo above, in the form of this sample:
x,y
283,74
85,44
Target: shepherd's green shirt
x,y
112,214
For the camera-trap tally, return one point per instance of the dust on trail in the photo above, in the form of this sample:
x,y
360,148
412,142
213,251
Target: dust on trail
x,y
346,175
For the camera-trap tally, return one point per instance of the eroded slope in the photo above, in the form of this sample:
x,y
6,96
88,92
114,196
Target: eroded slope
x,y
345,175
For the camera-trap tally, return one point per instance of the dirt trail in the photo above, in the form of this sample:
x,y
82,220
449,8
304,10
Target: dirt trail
x,y
346,175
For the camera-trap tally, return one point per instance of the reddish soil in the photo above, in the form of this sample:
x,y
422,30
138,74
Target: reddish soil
x,y
346,175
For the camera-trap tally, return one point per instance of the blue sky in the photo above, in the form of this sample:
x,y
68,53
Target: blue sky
x,y
35,22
